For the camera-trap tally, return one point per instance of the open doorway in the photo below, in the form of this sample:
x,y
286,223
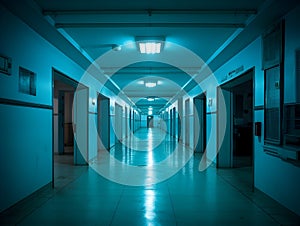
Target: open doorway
x,y
174,127
62,115
118,123
242,124
150,123
66,153
103,123
187,122
200,123
236,149
63,136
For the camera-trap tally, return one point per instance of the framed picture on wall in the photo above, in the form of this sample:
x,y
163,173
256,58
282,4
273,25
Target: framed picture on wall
x,y
5,65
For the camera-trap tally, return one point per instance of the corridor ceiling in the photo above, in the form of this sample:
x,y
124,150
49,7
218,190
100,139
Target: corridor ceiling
x,y
215,30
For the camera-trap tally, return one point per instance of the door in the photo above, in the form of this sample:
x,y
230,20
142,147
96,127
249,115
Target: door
x,y
171,122
174,122
80,125
126,121
118,122
61,122
150,121
200,123
103,123
187,122
224,157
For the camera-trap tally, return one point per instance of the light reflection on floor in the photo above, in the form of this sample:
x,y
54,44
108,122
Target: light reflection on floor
x,y
190,197
151,146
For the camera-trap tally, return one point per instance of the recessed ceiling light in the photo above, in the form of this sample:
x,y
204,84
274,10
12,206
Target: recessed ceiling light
x,y
150,84
150,98
149,45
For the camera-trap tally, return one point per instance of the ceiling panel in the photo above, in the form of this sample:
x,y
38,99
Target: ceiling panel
x,y
148,4
202,27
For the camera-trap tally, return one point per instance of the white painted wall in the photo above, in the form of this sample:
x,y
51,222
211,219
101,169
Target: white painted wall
x,y
26,132
275,177
26,153
272,175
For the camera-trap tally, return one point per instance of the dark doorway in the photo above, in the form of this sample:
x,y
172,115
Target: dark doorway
x,y
103,126
187,122
242,124
65,151
200,123
62,116
150,120
236,149
238,96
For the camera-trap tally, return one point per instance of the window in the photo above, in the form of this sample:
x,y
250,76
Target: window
x,y
273,43
273,105
27,83
292,125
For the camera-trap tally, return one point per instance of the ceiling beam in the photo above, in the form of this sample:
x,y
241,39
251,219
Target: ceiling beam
x,y
141,25
150,12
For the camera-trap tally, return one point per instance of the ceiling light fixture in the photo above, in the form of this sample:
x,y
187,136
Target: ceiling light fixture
x,y
149,45
151,98
150,84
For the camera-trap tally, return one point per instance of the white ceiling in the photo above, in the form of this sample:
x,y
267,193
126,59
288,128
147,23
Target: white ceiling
x,y
215,30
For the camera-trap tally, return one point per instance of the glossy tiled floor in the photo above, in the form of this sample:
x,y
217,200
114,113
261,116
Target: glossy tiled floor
x,y
190,197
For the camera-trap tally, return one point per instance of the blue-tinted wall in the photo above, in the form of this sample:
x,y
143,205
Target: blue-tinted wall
x,y
26,126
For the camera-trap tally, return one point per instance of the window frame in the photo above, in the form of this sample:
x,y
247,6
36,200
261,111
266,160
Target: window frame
x,y
276,31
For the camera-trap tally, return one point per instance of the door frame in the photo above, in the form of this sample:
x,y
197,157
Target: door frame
x,y
201,134
187,122
227,86
149,123
57,75
118,124
81,160
100,117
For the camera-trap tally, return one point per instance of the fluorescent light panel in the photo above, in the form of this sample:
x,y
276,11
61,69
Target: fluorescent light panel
x,y
150,45
150,98
150,84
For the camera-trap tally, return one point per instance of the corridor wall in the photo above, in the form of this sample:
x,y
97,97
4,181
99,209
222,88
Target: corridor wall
x,y
26,120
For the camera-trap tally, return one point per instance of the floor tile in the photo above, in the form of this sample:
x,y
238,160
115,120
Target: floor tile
x,y
190,197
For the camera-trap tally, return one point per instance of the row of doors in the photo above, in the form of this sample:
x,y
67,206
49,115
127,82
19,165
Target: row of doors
x,y
234,150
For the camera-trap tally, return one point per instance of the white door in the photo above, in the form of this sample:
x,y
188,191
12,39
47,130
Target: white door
x,y
224,122
80,125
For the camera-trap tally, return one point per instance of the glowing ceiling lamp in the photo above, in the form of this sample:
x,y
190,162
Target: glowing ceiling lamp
x,y
151,98
149,45
150,84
